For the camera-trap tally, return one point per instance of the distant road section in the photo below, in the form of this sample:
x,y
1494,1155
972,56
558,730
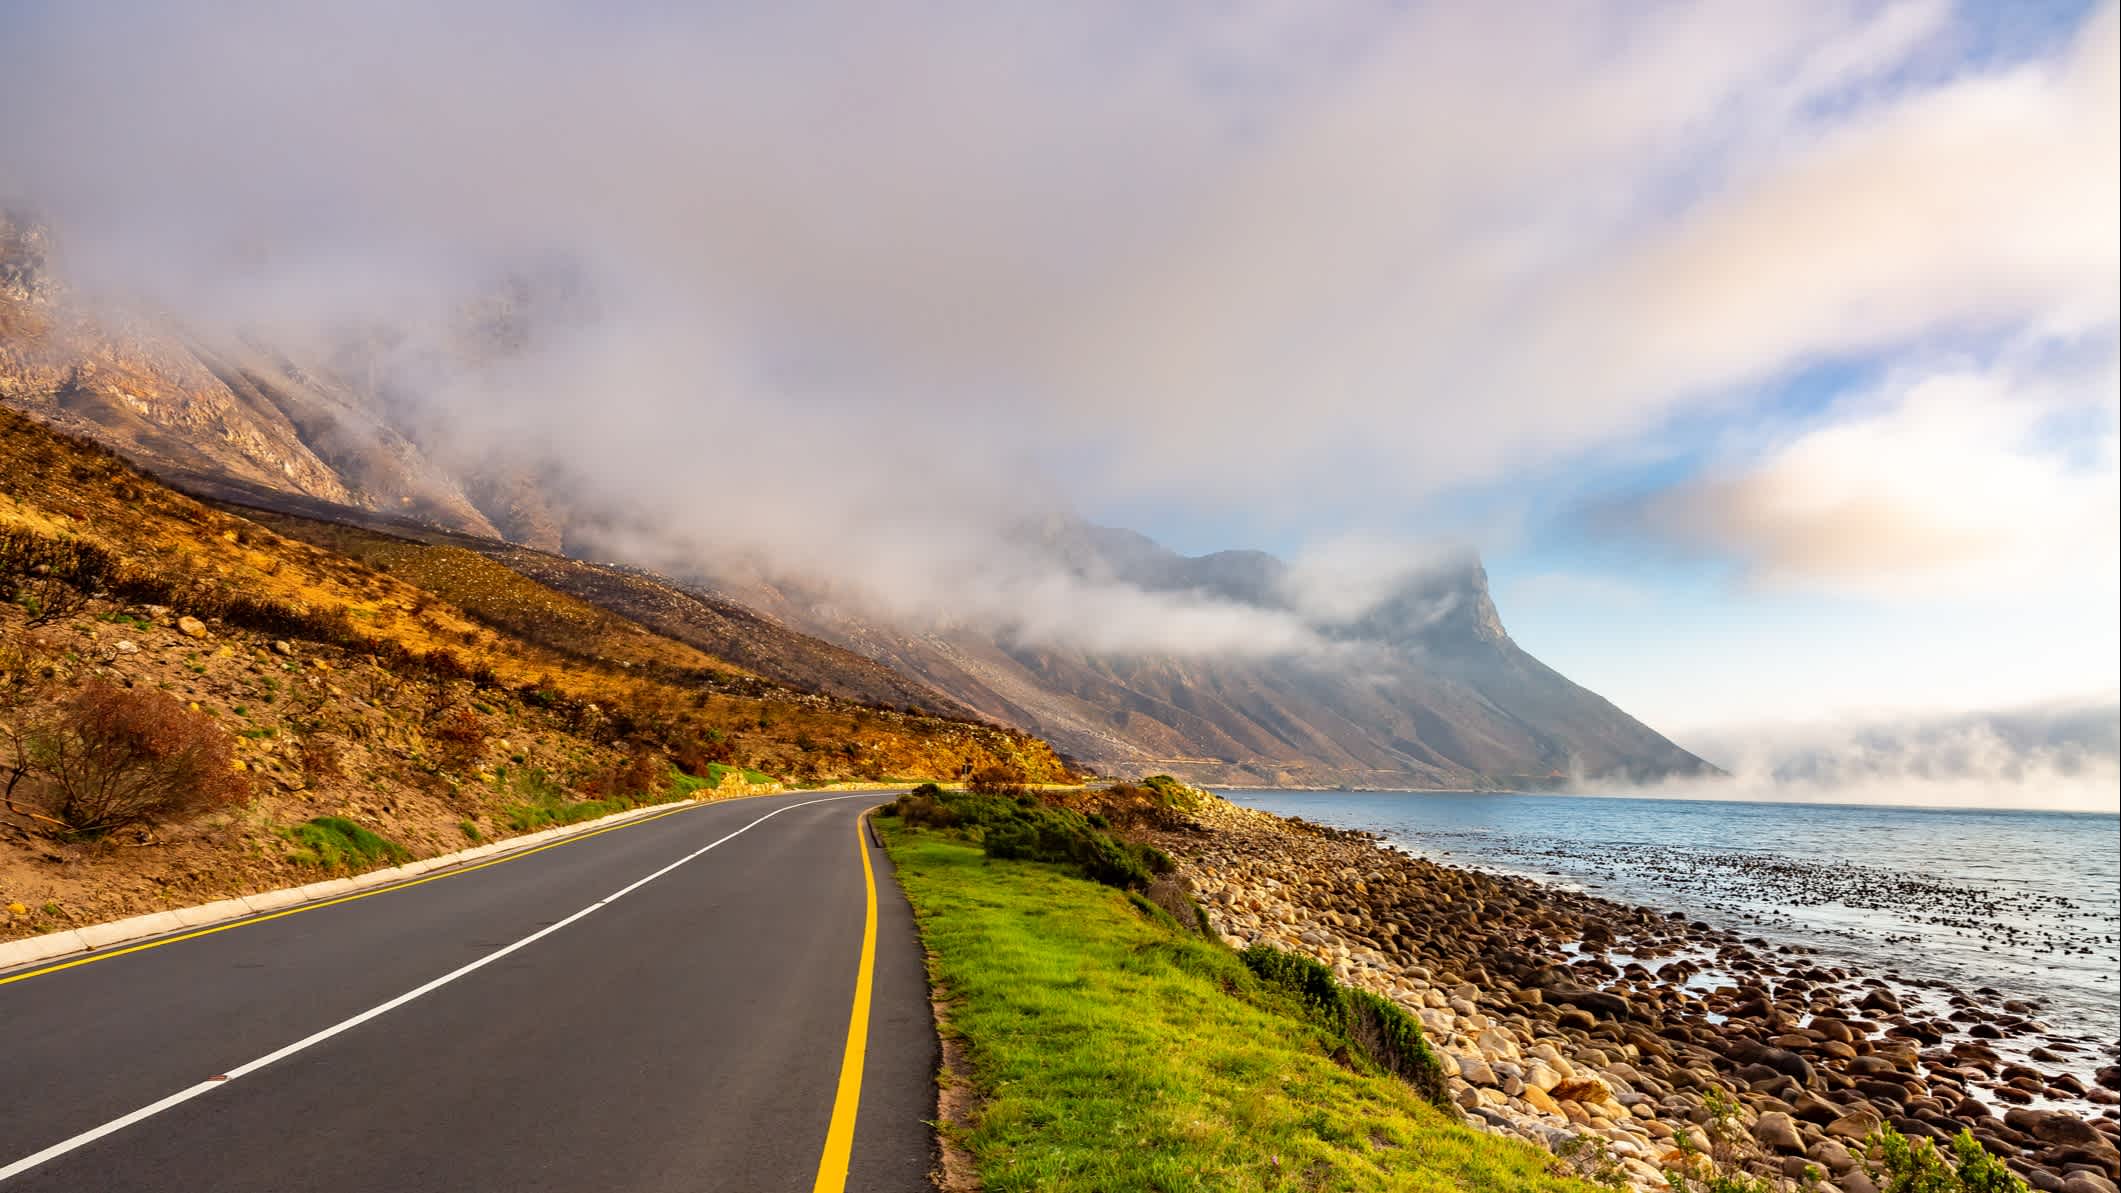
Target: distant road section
x,y
669,1005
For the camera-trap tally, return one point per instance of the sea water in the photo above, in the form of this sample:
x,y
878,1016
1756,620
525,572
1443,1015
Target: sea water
x,y
2027,903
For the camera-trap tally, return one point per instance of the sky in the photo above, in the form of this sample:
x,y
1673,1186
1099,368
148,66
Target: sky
x,y
1765,352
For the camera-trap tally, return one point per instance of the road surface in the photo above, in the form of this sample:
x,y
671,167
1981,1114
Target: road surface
x,y
658,1006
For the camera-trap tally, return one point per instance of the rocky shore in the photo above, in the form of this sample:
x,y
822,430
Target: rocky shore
x,y
1563,1017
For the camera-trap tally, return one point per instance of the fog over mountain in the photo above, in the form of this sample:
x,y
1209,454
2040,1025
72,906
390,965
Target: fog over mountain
x,y
828,305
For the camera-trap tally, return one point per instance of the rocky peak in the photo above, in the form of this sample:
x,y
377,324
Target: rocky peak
x,y
25,245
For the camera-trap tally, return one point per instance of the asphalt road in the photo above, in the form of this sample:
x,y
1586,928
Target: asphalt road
x,y
686,1033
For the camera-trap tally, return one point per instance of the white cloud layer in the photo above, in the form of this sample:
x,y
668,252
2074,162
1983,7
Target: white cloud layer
x,y
933,270
1959,483
2064,757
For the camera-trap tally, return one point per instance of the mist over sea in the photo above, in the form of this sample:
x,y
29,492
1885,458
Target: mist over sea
x,y
2025,903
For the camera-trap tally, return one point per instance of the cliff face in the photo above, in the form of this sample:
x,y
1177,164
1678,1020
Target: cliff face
x,y
1423,689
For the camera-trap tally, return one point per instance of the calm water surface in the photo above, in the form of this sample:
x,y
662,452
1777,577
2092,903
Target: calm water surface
x,y
2028,903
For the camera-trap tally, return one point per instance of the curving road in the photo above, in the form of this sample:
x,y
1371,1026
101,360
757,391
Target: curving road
x,y
665,1005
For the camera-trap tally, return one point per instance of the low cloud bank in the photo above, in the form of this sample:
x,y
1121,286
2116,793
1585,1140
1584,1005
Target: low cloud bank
x,y
2060,757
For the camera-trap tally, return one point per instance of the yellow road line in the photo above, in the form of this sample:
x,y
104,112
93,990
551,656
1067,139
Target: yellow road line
x,y
92,958
839,1137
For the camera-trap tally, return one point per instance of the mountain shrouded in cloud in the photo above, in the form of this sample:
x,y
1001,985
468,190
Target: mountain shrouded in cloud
x,y
819,291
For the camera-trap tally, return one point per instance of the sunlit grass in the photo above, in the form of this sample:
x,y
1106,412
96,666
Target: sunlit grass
x,y
1113,1052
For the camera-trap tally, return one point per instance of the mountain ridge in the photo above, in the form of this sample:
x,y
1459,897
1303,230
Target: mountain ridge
x,y
1418,687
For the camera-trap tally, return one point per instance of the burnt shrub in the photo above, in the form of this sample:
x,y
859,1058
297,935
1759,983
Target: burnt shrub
x,y
695,756
51,577
643,776
996,780
107,758
459,738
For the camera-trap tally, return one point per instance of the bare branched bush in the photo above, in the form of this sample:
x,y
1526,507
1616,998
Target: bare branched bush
x,y
695,754
642,775
460,738
107,758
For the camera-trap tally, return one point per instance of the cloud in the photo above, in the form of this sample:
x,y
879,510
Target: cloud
x,y
855,292
1947,483
2064,756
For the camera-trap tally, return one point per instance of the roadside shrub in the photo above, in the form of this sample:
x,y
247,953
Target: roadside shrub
x,y
1901,1165
459,736
334,842
996,780
1170,894
695,755
1367,1024
1171,793
641,777
923,808
108,758
1019,827
1392,1039
1311,984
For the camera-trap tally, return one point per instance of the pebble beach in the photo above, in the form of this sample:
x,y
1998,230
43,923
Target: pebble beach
x,y
1564,1016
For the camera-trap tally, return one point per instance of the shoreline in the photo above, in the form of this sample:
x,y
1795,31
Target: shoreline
x,y
1531,990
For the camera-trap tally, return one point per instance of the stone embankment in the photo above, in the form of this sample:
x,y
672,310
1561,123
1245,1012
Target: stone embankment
x,y
1561,1016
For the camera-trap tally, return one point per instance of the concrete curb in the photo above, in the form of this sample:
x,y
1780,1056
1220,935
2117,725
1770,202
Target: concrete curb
x,y
159,923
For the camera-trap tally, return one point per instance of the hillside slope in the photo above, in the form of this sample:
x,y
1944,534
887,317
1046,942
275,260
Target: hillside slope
x,y
421,693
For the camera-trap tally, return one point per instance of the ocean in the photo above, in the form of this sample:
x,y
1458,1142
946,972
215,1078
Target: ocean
x,y
2025,903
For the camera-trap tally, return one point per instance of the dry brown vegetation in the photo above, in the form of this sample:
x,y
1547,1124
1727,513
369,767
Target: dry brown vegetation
x,y
443,698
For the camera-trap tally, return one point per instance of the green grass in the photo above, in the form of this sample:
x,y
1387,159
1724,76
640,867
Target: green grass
x,y
333,842
543,803
1113,1052
716,771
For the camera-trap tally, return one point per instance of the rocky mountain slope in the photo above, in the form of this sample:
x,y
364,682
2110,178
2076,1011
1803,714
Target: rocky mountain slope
x,y
1425,689
421,694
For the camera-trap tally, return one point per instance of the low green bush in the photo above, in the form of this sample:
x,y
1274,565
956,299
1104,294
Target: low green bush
x,y
1372,1027
1902,1165
543,803
1021,828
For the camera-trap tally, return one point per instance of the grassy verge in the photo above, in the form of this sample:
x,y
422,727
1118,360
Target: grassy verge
x,y
1113,1051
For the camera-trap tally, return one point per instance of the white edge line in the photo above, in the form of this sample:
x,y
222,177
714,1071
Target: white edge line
x,y
244,1070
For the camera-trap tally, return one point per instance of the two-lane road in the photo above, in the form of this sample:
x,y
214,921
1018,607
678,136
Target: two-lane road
x,y
666,1005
